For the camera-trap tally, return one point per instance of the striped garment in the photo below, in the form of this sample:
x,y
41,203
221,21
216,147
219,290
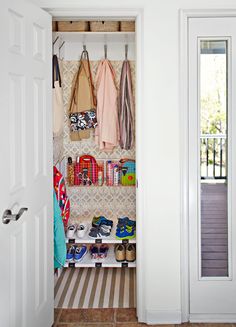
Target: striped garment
x,y
126,108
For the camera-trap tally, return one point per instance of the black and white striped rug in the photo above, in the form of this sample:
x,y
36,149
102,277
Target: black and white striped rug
x,y
96,288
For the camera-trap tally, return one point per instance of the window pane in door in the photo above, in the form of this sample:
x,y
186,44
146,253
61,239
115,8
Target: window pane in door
x,y
213,158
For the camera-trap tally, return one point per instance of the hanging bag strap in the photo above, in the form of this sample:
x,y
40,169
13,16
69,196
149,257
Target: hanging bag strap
x,y
56,76
84,56
74,90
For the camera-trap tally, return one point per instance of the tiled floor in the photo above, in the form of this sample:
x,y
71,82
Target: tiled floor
x,y
109,318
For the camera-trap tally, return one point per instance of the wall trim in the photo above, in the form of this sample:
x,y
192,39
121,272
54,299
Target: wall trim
x,y
163,317
115,13
184,16
213,318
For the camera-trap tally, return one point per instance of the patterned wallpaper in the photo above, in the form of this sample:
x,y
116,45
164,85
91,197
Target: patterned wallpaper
x,y
86,202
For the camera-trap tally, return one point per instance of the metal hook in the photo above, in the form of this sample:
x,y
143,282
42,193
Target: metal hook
x,y
54,42
105,51
60,49
126,52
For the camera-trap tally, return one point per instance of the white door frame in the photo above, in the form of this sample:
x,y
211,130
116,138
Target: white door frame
x,y
185,15
137,14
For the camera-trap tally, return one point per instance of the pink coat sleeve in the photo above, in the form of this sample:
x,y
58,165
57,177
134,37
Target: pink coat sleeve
x,y
107,132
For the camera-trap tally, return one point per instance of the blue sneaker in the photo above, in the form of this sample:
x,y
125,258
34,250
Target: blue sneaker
x,y
101,220
124,234
126,221
70,253
80,252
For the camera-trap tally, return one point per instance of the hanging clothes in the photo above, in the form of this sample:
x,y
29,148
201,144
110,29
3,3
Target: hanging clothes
x,y
57,100
62,197
107,131
59,235
126,108
82,109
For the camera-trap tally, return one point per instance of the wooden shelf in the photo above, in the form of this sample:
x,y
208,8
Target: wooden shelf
x,y
95,36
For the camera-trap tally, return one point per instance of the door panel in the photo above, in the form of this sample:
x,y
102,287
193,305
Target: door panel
x,y
26,278
17,135
211,227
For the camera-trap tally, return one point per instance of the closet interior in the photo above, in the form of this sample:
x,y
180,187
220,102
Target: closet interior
x,y
94,151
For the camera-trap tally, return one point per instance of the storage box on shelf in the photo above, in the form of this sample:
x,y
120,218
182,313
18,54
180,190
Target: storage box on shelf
x,y
104,26
127,26
72,26
54,26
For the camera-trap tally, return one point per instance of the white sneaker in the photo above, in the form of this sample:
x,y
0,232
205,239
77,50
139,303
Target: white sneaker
x,y
70,233
106,228
81,230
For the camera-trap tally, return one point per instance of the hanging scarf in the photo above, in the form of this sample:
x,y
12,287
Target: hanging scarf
x,y
126,108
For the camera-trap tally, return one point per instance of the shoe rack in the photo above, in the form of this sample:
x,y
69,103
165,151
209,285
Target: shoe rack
x,y
108,262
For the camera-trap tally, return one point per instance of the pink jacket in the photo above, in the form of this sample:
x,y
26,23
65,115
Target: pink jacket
x,y
107,131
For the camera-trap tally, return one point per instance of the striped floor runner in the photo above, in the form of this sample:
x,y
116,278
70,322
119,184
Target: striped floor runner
x,y
96,288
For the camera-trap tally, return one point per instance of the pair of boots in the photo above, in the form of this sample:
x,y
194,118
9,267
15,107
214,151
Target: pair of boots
x,y
125,253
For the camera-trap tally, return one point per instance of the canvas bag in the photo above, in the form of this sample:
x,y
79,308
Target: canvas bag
x,y
82,99
128,172
57,100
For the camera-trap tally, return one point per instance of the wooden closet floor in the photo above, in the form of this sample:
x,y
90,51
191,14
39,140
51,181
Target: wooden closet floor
x,y
109,318
96,288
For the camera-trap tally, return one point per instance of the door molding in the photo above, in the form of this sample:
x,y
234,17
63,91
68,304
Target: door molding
x,y
116,13
184,16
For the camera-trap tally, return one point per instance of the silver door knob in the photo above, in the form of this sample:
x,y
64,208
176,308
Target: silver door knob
x,y
8,216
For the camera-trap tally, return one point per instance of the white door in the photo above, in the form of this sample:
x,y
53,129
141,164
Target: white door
x,y
212,173
26,245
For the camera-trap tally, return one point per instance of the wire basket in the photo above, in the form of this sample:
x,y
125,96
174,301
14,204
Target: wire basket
x,y
121,173
91,172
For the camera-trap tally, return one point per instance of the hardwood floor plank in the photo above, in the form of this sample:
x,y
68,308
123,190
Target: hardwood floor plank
x,y
214,230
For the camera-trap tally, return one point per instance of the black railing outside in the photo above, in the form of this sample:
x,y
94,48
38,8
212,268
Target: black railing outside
x,y
213,156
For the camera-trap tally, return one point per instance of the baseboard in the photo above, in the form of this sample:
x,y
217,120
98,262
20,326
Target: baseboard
x,y
212,318
163,317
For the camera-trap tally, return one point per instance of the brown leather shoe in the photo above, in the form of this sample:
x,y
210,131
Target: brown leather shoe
x,y
130,253
120,252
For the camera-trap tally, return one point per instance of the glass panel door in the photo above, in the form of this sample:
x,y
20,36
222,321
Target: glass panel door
x,y
213,157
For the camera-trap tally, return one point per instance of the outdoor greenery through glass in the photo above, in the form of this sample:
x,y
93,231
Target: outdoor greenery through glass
x,y
213,154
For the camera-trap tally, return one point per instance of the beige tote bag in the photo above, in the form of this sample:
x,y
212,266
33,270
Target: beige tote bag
x,y
82,95
57,100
